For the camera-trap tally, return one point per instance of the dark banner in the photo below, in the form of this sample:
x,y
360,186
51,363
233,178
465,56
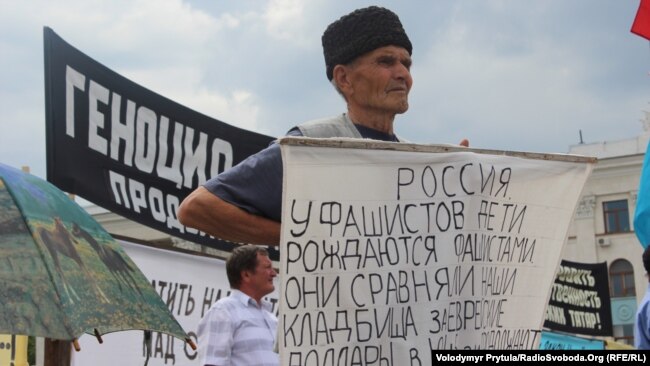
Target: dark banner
x,y
579,301
128,149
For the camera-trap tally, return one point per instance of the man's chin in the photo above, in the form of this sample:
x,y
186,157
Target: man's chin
x,y
402,108
402,111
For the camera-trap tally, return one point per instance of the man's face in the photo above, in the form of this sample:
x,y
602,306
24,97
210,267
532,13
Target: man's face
x,y
262,278
380,80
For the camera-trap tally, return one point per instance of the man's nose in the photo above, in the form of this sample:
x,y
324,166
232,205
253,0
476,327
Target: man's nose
x,y
402,72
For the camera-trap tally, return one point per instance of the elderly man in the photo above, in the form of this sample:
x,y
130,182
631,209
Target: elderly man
x,y
240,329
368,60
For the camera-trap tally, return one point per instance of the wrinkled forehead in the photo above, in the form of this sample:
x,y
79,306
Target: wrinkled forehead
x,y
397,53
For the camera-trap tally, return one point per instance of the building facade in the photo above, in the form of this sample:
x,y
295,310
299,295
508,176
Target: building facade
x,y
602,228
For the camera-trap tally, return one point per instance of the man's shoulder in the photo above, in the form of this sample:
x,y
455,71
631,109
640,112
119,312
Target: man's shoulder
x,y
225,303
338,126
324,121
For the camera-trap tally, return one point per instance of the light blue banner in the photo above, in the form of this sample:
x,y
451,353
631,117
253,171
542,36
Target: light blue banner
x,y
558,341
642,212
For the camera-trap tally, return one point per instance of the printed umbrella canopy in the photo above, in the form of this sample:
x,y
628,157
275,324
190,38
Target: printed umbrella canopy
x,y
62,274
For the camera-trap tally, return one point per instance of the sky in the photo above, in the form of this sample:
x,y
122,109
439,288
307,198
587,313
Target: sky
x,y
506,74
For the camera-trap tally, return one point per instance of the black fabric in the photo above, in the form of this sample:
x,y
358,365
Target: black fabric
x,y
580,301
359,32
139,154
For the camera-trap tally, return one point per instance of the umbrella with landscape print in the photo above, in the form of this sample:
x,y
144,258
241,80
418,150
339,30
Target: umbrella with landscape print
x,y
62,274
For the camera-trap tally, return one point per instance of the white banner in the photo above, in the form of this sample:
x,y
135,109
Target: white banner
x,y
189,284
386,255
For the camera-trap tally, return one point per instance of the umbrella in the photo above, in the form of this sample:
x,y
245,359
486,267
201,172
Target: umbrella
x,y
62,274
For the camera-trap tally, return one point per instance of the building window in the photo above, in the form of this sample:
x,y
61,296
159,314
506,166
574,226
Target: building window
x,y
617,218
621,279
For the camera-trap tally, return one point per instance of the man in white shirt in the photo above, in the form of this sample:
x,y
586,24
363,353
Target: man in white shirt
x,y
241,329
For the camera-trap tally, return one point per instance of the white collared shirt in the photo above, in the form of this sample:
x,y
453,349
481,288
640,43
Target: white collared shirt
x,y
236,331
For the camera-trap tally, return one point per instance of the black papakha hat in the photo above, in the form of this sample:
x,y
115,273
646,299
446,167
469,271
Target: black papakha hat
x,y
359,32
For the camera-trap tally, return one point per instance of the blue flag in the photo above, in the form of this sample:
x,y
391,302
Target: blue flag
x,y
642,212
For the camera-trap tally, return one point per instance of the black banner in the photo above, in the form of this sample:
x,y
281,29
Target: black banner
x,y
579,301
128,149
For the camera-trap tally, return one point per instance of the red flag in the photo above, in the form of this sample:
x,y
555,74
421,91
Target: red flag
x,y
641,25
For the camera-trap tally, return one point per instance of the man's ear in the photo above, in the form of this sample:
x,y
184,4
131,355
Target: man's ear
x,y
245,275
341,76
